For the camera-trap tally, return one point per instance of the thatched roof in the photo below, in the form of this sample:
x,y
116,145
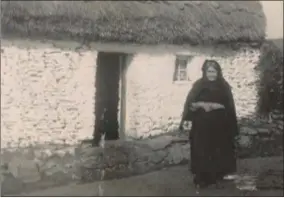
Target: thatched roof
x,y
147,22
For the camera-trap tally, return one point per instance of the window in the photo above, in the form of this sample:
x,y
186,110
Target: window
x,y
180,73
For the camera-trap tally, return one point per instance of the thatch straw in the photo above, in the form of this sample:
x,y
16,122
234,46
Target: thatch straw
x,y
147,22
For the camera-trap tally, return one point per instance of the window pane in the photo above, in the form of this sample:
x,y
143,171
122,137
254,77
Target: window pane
x,y
182,63
182,75
182,57
189,59
182,69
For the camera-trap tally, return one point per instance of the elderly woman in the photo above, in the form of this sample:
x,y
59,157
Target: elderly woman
x,y
211,109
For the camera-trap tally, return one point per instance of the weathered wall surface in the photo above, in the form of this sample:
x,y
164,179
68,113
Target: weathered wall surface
x,y
47,93
48,90
155,102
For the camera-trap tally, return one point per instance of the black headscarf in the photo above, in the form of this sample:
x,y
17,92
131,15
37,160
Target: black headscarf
x,y
215,65
219,83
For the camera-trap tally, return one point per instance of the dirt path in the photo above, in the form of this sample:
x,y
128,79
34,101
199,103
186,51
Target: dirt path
x,y
175,181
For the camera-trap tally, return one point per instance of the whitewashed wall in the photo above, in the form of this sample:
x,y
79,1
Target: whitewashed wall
x,y
155,102
48,90
47,93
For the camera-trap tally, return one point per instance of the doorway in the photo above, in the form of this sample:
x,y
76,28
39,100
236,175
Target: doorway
x,y
108,74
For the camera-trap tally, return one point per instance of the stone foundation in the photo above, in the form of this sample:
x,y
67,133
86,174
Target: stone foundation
x,y
121,159
52,165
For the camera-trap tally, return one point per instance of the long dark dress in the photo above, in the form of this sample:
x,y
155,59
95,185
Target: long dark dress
x,y
212,133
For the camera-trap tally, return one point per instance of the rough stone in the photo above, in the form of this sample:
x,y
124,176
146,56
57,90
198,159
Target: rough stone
x,y
116,159
186,151
90,174
38,107
121,158
245,141
10,184
271,179
51,166
111,158
176,154
264,130
159,142
141,167
248,131
278,131
24,169
158,156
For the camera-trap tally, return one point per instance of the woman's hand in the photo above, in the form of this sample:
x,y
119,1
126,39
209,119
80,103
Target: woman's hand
x,y
194,106
208,106
205,105
217,106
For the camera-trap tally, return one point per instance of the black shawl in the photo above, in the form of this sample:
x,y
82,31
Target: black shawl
x,y
229,103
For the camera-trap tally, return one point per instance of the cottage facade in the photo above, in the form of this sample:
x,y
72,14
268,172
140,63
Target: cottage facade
x,y
58,91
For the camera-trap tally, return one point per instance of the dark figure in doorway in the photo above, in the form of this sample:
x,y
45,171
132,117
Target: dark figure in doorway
x,y
211,109
107,97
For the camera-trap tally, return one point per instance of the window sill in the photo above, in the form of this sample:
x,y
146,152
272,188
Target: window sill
x,y
181,82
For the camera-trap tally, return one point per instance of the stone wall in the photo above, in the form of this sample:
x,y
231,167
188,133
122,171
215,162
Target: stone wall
x,y
48,90
270,94
47,93
155,102
34,168
53,165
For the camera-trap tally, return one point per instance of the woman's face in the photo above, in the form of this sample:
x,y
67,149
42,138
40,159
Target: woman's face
x,y
211,73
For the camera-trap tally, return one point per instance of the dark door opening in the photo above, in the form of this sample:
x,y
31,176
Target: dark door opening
x,y
107,96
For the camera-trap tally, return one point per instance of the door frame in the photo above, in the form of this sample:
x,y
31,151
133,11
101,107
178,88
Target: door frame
x,y
123,82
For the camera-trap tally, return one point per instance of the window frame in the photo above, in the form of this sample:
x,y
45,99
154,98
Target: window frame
x,y
181,68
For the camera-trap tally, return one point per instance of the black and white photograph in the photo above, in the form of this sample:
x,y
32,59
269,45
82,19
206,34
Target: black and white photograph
x,y
141,98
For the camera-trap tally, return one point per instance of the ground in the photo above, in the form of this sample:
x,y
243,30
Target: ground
x,y
177,181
